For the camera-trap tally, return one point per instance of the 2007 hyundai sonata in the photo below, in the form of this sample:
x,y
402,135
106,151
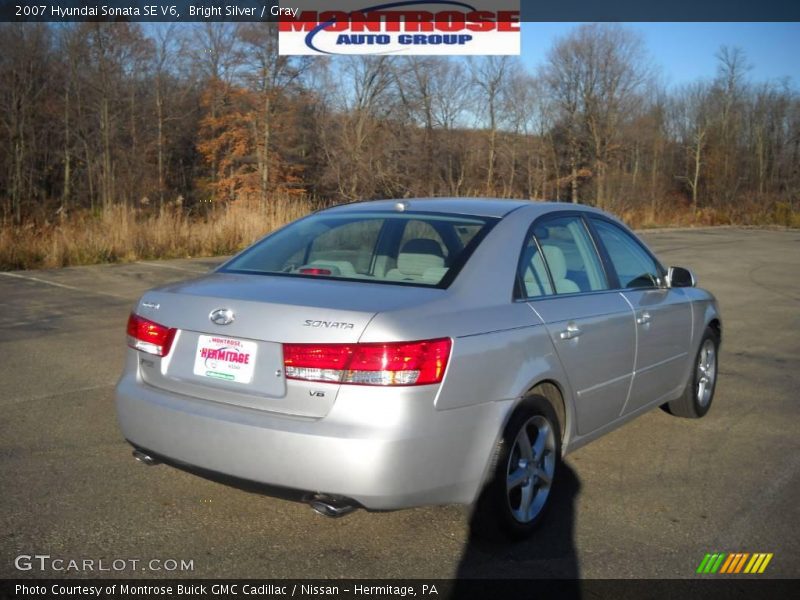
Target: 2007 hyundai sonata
x,y
396,353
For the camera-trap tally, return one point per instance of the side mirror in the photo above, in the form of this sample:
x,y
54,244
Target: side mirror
x,y
680,277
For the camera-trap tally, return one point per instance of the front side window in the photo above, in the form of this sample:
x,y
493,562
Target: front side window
x,y
408,248
570,255
634,266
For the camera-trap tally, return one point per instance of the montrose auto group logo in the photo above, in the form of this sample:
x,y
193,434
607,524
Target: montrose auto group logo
x,y
404,27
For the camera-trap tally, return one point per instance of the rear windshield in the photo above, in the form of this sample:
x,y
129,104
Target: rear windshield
x,y
398,248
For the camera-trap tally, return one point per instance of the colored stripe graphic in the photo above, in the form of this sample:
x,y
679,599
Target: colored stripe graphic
x,y
740,564
718,564
711,562
727,564
764,564
734,563
754,563
703,563
731,568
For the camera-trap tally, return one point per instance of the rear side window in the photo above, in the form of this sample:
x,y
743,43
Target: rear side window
x,y
572,260
634,266
399,248
533,277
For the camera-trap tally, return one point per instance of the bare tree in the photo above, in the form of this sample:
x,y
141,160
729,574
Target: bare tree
x,y
362,100
269,75
418,92
217,59
598,74
93,115
165,49
490,75
451,95
728,91
562,75
23,69
692,117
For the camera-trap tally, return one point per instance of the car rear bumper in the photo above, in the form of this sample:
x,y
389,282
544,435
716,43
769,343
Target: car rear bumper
x,y
383,448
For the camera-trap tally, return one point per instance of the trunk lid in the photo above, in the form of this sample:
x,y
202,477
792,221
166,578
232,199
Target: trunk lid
x,y
241,362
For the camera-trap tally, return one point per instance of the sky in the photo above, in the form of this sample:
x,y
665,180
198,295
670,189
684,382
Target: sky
x,y
685,51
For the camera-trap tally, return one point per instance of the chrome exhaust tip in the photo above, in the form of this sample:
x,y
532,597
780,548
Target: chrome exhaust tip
x,y
143,458
331,506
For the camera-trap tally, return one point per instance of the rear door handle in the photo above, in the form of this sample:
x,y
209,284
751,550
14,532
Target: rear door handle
x,y
643,318
572,331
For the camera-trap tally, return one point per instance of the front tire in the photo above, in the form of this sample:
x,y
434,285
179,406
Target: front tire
x,y
525,469
699,392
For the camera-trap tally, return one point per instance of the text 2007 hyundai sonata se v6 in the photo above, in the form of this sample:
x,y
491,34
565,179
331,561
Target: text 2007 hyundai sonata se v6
x,y
397,353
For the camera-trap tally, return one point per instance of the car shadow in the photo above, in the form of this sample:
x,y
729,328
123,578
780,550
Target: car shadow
x,y
549,554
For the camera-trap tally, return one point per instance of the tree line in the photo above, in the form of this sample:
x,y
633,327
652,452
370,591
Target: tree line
x,y
94,115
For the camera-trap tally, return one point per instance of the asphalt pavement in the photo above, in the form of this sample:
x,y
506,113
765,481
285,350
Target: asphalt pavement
x,y
647,501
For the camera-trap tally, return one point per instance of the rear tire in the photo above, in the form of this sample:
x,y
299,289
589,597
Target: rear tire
x,y
699,392
525,469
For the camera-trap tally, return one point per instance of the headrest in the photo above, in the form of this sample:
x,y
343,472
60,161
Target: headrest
x,y
418,255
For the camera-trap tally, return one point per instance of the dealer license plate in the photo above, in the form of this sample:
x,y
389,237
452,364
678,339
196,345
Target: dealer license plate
x,y
224,358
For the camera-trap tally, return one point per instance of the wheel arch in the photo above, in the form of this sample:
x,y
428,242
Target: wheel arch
x,y
716,325
552,392
545,391
555,394
707,315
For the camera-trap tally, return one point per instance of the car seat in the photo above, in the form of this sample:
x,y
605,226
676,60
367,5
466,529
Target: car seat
x,y
419,260
558,269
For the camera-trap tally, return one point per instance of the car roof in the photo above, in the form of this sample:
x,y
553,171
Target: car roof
x,y
478,207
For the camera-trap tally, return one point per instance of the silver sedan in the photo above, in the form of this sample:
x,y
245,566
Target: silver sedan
x,y
397,353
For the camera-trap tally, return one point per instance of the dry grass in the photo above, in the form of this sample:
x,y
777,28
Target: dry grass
x,y
120,233
753,214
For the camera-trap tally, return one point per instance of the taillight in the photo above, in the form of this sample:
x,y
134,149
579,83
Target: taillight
x,y
148,336
395,363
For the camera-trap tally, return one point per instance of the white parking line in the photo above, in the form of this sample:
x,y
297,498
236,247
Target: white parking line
x,y
38,397
62,285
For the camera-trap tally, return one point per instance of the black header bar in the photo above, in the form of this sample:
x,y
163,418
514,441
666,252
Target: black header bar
x,y
266,10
